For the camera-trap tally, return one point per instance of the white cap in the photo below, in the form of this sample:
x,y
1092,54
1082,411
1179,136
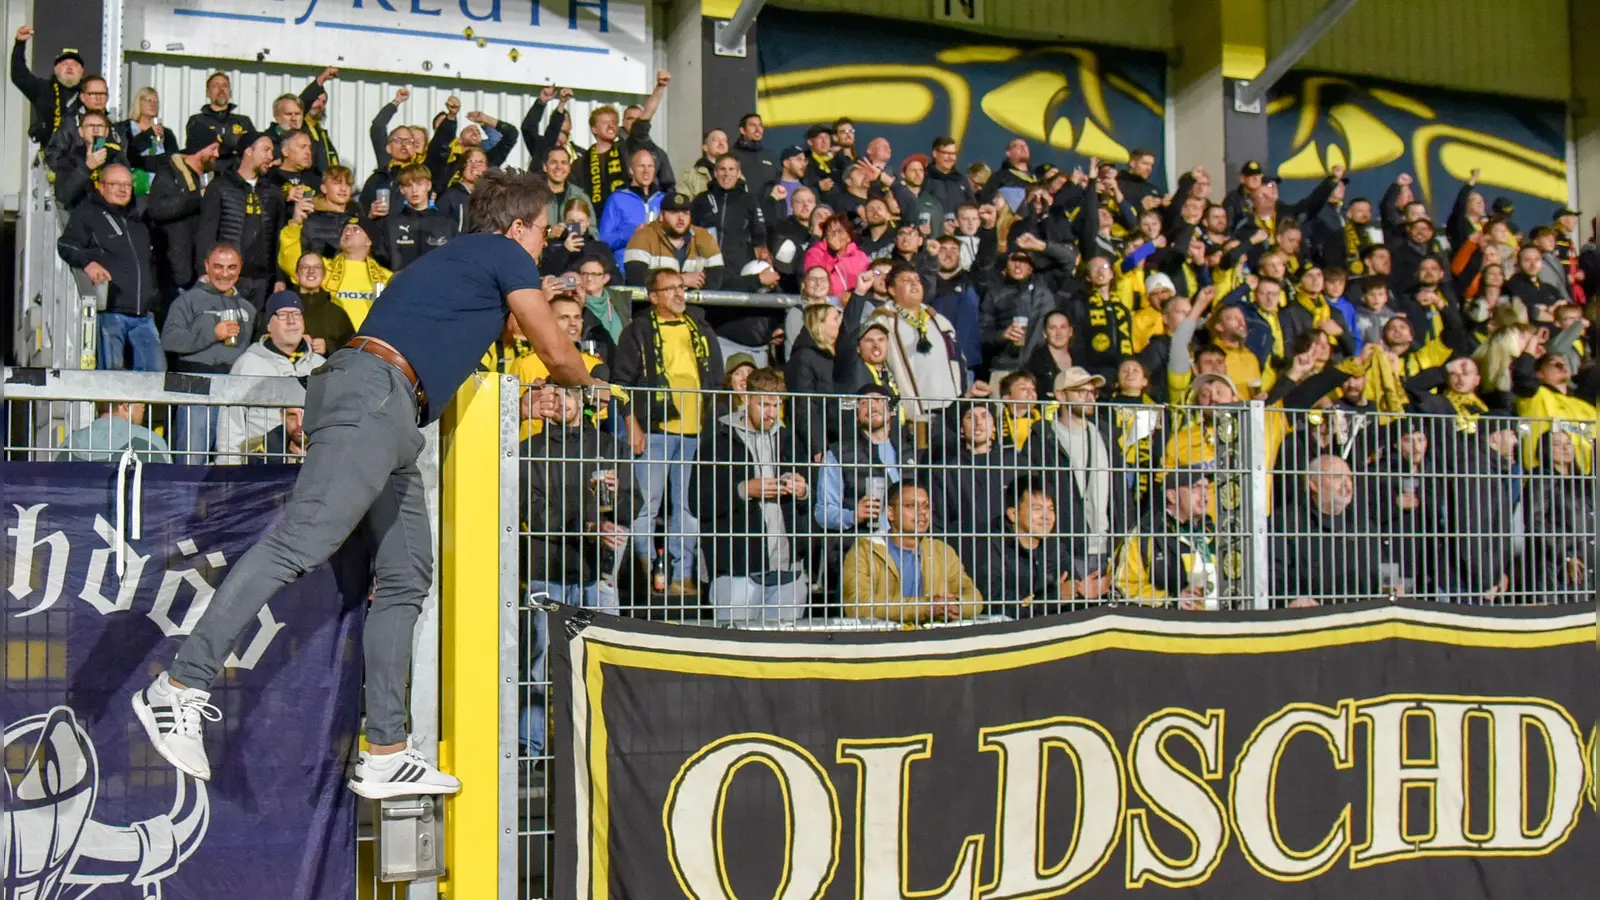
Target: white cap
x,y
1158,282
754,267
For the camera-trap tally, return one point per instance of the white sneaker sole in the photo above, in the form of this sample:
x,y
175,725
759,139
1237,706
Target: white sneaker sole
x,y
388,790
147,718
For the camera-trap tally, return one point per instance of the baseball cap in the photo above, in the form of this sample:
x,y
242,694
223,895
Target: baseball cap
x,y
1077,377
1564,211
69,53
1190,475
676,202
877,324
1159,281
283,300
1251,168
1504,206
915,158
1021,256
793,150
741,359
873,390
816,130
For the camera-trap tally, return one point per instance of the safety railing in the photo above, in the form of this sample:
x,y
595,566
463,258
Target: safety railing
x,y
94,416
774,510
54,305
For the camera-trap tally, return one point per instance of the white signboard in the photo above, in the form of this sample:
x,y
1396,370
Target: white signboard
x,y
593,45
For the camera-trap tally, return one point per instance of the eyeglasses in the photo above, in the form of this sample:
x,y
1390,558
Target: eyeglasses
x,y
125,185
591,274
290,315
95,93
672,289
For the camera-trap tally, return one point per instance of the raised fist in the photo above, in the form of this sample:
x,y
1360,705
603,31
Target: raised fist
x,y
452,105
402,96
25,32
663,78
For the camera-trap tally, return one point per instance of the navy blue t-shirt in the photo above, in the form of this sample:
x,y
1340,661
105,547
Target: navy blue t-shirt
x,y
444,311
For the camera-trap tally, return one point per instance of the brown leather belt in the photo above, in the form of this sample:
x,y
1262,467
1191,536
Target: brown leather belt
x,y
390,355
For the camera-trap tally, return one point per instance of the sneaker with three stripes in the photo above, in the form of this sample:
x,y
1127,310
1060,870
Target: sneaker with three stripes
x,y
381,776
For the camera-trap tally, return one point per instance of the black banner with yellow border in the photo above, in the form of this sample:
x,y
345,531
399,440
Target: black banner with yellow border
x,y
1364,751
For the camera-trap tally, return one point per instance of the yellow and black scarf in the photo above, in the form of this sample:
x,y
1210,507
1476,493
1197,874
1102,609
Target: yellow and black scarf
x,y
697,340
604,176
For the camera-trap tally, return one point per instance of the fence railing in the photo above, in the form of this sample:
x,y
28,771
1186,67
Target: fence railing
x,y
54,305
73,415
802,511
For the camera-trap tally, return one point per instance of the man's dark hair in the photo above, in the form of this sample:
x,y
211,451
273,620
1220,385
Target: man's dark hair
x,y
745,119
502,198
1140,153
841,122
1010,381
1268,279
652,281
291,134
943,141
1540,231
892,496
1331,272
900,267
88,78
225,246
214,76
1025,487
1210,350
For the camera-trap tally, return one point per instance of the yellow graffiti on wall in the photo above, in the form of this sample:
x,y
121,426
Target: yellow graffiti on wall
x,y
1372,125
1033,105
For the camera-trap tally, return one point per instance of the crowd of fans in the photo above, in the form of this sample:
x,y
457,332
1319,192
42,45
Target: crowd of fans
x,y
998,394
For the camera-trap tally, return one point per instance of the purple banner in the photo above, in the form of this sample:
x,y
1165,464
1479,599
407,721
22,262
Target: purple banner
x,y
89,806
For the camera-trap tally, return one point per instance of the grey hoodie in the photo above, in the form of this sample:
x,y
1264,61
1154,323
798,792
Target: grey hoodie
x,y
190,330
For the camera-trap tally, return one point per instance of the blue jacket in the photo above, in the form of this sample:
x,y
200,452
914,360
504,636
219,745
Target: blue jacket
x,y
622,215
961,308
1347,318
1259,337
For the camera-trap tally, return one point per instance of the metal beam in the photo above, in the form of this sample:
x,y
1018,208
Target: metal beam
x,y
1253,92
730,39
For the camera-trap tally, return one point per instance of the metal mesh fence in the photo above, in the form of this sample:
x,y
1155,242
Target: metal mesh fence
x,y
775,510
96,416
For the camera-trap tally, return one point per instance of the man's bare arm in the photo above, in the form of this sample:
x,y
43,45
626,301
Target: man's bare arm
x,y
557,351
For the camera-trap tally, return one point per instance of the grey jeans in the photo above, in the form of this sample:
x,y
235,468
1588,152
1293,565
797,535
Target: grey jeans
x,y
360,471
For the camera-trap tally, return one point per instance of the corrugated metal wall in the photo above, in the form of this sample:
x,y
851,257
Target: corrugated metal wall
x,y
1130,23
1516,47
353,100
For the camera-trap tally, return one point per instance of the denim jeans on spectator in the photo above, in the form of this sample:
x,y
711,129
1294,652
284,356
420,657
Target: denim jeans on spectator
x,y
729,348
665,465
119,333
531,721
194,428
765,598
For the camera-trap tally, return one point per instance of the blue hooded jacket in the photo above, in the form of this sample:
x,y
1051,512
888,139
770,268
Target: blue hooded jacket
x,y
624,212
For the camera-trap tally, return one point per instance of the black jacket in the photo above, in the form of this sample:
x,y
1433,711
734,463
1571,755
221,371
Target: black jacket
x,y
173,206
1020,582
637,364
244,215
1533,293
951,190
144,150
326,319
560,507
323,153
1000,306
1324,556
755,161
67,156
539,145
732,530
276,178
446,165
53,105
816,419
210,125
739,223
405,234
116,238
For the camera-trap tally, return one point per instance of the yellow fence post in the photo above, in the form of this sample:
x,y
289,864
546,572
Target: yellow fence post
x,y
470,633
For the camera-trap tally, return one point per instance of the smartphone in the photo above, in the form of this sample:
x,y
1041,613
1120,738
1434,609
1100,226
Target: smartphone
x,y
569,282
572,228
99,144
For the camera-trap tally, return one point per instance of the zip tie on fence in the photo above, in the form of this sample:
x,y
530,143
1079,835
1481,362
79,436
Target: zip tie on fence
x,y
128,458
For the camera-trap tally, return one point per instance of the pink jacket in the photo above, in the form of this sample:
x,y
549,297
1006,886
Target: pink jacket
x,y
842,269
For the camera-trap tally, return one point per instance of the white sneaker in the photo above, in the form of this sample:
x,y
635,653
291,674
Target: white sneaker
x,y
174,720
403,774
